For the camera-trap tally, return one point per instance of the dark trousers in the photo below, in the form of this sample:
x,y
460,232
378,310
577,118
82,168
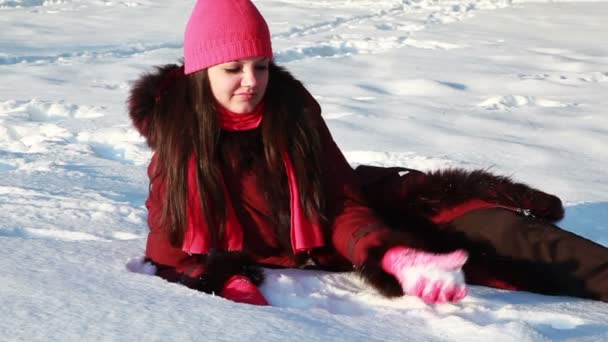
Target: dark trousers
x,y
506,249
510,250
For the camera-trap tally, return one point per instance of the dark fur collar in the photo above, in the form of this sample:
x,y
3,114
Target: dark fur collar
x,y
152,92
161,94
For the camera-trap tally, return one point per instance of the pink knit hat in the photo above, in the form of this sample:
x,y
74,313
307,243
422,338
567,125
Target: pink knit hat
x,y
221,31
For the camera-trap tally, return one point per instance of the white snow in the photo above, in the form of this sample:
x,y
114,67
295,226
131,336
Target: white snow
x,y
515,86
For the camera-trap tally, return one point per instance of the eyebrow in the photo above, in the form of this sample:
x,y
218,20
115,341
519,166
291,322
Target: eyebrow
x,y
261,59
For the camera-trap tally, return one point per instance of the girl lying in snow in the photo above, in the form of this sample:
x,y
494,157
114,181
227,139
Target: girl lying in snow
x,y
246,174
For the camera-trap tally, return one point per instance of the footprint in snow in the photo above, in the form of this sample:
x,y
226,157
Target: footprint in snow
x,y
407,27
109,151
386,26
46,111
344,45
31,137
568,78
383,16
93,53
597,77
110,85
34,126
318,50
121,144
507,102
55,3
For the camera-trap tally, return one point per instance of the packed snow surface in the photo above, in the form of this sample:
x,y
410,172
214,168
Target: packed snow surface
x,y
518,87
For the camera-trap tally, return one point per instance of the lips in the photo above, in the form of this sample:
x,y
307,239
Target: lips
x,y
246,96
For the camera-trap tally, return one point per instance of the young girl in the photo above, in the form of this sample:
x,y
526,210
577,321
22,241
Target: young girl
x,y
245,174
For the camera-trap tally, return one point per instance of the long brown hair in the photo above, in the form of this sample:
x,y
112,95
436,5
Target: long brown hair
x,y
286,127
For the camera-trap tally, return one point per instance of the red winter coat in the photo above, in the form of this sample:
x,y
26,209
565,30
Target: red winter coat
x,y
350,216
355,236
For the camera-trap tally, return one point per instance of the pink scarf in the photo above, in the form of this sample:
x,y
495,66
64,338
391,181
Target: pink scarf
x,y
305,234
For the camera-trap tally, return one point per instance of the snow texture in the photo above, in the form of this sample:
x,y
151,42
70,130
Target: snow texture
x,y
515,86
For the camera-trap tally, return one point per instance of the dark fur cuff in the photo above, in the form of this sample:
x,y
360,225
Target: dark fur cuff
x,y
429,194
371,271
220,266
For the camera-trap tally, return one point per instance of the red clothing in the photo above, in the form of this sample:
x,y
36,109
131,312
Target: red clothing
x,y
348,216
424,210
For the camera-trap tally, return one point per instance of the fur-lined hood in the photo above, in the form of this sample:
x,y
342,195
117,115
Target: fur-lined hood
x,y
158,97
152,91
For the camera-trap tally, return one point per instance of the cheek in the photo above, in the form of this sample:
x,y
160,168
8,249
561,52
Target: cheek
x,y
263,84
221,87
214,84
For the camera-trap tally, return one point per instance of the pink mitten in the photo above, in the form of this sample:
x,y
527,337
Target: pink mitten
x,y
436,278
241,290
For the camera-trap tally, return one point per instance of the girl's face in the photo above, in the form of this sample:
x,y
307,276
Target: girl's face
x,y
239,85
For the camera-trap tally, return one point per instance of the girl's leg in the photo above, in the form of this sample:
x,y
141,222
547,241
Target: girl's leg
x,y
514,251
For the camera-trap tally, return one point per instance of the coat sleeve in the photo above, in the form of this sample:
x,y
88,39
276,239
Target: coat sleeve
x,y
207,273
356,232
355,229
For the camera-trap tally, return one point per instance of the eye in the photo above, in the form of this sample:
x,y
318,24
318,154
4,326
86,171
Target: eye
x,y
261,67
232,70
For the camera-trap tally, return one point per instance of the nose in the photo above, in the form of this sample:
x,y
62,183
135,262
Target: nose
x,y
249,78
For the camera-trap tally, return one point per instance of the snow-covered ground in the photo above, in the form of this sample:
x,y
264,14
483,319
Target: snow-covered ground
x,y
516,86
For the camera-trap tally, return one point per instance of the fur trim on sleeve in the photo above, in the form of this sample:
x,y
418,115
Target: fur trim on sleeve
x,y
219,267
372,273
429,193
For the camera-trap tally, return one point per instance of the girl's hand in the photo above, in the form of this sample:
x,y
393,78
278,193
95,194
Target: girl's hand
x,y
435,278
